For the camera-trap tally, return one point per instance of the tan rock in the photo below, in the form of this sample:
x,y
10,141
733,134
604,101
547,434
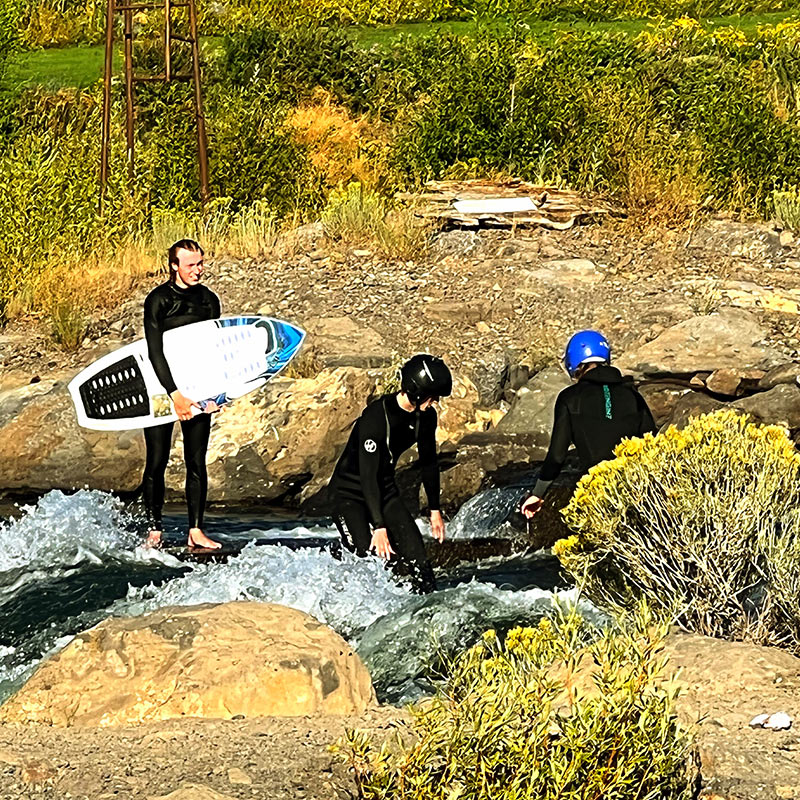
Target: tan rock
x,y
36,771
239,777
218,661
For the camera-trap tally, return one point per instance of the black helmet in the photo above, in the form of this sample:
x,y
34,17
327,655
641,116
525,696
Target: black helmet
x,y
425,376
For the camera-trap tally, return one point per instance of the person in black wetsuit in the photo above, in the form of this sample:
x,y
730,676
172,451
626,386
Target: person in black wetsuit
x,y
179,301
595,414
369,513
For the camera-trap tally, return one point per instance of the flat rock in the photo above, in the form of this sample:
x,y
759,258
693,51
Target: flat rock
x,y
731,338
737,239
564,272
192,791
342,342
210,661
532,410
778,406
783,373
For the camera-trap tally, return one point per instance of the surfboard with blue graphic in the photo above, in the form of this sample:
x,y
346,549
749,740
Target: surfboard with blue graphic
x,y
218,359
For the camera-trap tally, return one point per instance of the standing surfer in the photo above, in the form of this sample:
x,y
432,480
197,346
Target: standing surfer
x,y
179,301
595,414
369,512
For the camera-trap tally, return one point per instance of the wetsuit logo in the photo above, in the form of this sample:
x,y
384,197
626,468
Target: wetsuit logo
x,y
370,446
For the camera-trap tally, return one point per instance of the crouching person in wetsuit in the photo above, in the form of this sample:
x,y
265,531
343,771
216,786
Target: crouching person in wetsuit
x,y
368,510
595,414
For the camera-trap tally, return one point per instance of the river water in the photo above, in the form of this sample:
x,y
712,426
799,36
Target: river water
x,y
70,561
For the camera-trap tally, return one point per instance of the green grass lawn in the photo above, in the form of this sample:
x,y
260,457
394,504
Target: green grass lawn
x,y
80,66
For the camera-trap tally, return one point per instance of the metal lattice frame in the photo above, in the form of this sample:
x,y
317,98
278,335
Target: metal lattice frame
x,y
127,9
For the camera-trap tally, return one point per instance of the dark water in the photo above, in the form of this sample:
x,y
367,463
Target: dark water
x,y
70,561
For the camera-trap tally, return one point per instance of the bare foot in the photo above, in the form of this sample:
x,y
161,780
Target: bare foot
x,y
198,539
153,539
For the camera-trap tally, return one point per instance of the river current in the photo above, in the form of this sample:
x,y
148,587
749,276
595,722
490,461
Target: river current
x,y
70,561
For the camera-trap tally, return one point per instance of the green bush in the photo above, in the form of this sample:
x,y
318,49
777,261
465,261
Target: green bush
x,y
706,518
561,711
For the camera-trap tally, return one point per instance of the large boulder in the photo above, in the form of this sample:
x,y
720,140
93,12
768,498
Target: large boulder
x,y
42,446
731,338
274,443
220,661
778,406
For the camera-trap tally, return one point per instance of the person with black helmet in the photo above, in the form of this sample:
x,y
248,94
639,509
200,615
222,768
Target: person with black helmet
x,y
595,414
369,513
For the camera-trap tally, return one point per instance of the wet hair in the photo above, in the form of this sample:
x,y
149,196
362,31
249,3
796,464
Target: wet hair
x,y
172,253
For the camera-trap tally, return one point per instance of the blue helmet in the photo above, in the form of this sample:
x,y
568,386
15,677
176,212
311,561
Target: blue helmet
x,y
585,347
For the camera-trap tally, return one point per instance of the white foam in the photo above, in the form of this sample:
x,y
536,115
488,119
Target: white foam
x,y
348,595
62,531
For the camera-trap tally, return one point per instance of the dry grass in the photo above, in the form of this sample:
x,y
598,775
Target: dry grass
x,y
71,291
342,148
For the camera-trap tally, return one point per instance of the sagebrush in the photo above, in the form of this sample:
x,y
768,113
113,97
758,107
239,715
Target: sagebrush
x,y
707,518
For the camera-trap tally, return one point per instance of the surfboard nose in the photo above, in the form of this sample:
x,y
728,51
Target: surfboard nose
x,y
290,338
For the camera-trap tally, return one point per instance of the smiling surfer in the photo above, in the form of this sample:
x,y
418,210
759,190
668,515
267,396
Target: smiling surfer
x,y
369,512
181,300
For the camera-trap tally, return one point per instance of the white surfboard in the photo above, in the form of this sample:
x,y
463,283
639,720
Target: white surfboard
x,y
218,359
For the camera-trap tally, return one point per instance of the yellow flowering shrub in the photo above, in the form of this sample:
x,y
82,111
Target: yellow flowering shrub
x,y
704,519
563,710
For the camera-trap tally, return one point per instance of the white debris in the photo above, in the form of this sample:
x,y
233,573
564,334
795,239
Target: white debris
x,y
780,721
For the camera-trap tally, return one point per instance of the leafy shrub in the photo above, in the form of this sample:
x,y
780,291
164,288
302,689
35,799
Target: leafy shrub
x,y
707,518
563,711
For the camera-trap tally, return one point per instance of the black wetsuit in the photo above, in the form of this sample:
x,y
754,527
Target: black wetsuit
x,y
364,490
169,306
594,414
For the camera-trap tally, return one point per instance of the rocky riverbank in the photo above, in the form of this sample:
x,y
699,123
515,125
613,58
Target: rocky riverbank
x,y
699,318
175,752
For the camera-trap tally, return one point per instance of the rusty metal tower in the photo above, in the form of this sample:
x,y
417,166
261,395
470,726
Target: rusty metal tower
x,y
127,8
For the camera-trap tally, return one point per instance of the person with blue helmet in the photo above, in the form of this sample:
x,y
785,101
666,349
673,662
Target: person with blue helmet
x,y
595,414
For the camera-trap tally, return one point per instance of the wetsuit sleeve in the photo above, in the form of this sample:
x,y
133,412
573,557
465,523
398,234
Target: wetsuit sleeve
x,y
216,307
371,444
560,440
428,460
154,335
646,422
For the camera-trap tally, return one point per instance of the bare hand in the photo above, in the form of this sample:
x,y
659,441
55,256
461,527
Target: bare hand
x,y
183,405
211,407
437,526
532,506
380,543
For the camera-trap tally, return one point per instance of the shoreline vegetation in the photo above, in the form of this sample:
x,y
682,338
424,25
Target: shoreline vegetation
x,y
673,119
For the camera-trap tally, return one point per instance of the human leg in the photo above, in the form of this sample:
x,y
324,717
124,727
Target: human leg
x,y
406,540
196,432
352,520
157,441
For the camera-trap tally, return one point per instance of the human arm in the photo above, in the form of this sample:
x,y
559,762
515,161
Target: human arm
x,y
560,441
429,467
646,422
372,444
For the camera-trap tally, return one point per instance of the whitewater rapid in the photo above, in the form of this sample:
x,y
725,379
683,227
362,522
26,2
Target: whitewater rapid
x,y
70,561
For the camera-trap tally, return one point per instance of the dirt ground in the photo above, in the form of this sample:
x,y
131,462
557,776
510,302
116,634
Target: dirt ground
x,y
269,759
